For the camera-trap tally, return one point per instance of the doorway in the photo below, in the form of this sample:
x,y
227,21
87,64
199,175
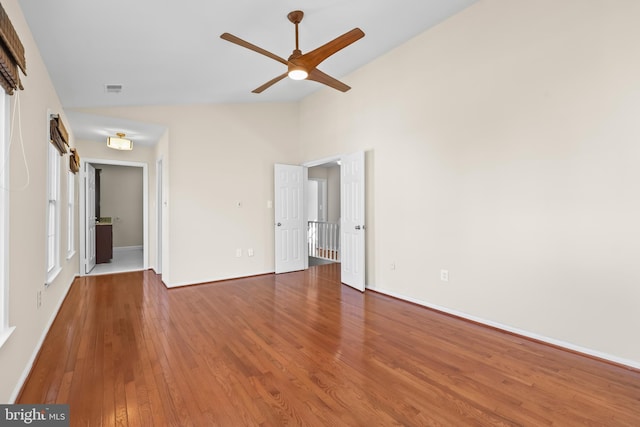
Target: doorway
x,y
124,221
291,232
323,213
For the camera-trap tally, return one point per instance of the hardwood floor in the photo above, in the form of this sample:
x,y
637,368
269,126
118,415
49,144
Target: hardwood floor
x,y
301,349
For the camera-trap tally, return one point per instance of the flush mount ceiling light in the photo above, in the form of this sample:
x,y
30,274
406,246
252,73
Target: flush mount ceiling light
x,y
119,142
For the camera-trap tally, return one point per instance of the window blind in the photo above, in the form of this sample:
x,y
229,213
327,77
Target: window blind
x,y
11,55
58,134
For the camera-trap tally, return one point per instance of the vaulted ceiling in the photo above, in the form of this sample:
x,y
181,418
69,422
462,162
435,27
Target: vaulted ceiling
x,y
166,52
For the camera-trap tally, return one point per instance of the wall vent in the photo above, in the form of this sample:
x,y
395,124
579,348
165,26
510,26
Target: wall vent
x,y
113,88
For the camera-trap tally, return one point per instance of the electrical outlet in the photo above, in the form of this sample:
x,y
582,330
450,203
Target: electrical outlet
x,y
393,266
39,299
250,252
238,253
444,275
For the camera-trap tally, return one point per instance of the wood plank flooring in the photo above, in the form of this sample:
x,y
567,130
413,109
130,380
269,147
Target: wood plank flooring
x,y
302,349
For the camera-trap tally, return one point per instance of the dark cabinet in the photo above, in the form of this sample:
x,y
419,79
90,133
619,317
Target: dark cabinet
x,y
104,243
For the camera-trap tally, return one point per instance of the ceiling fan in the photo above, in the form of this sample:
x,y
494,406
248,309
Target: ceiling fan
x,y
303,66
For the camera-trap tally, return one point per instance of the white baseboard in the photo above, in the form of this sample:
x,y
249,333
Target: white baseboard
x,y
216,279
127,248
32,359
569,346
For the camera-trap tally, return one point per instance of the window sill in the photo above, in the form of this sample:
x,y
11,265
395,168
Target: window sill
x,y
4,335
52,276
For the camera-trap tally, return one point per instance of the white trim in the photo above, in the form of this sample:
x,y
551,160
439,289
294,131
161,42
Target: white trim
x,y
521,332
71,213
324,161
5,111
145,208
159,213
53,194
53,274
4,335
216,279
36,350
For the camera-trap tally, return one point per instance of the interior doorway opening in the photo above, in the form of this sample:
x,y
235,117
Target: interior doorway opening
x,y
290,214
323,213
120,229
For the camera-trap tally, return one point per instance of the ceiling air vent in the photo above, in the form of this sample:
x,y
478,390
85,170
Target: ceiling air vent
x,y
113,88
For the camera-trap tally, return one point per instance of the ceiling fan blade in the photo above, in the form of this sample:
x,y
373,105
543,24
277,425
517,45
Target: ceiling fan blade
x,y
311,59
233,39
270,83
320,77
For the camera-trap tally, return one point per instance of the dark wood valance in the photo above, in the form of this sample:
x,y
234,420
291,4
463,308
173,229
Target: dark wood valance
x,y
11,55
58,134
74,160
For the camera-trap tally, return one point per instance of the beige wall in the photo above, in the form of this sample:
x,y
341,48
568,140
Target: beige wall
x,y
505,152
28,219
503,146
332,176
121,199
216,156
333,194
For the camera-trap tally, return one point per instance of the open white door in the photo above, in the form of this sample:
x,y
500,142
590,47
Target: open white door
x,y
290,223
90,217
352,220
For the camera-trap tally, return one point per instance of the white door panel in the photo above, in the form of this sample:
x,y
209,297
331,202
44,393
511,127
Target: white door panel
x,y
352,220
290,223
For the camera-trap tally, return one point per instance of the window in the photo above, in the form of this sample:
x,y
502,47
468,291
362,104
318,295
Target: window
x,y
53,214
12,54
5,331
71,206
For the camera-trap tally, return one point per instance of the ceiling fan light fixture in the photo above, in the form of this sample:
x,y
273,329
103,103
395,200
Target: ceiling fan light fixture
x,y
119,142
297,73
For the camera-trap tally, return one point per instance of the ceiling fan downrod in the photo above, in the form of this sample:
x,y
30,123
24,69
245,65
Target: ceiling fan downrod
x,y
296,17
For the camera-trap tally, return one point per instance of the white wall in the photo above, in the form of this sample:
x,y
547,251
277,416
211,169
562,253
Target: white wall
x,y
218,156
503,146
28,219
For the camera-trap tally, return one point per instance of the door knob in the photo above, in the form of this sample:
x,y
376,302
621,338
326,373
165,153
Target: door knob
x,y
278,224
357,227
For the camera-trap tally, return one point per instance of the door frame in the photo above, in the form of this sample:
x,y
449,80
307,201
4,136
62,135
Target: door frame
x,y
145,208
159,214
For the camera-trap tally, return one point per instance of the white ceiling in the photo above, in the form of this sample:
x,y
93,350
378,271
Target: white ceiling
x,y
168,52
